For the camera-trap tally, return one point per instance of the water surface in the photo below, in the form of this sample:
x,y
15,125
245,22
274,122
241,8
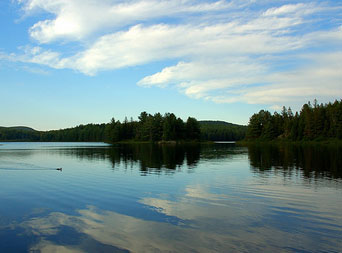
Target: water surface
x,y
189,198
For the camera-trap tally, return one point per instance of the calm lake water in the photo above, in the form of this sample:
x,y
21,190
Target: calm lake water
x,y
149,198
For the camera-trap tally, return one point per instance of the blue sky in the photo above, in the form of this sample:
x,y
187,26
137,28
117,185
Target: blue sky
x,y
70,62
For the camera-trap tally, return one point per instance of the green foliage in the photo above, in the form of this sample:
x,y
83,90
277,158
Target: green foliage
x,y
153,128
89,132
317,122
193,130
18,133
221,131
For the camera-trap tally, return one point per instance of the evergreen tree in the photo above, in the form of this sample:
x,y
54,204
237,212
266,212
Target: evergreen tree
x,y
312,123
193,131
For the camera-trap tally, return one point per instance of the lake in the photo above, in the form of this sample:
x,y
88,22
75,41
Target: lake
x,y
171,198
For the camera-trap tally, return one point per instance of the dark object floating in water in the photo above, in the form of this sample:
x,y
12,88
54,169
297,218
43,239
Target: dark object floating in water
x,y
60,169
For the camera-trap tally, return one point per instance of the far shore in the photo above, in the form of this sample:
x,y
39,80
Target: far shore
x,y
125,142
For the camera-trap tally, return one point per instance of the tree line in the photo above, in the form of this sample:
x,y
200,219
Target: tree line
x,y
148,128
153,128
314,122
89,132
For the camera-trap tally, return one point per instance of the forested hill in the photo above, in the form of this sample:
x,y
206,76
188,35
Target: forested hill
x,y
218,122
90,132
221,131
19,128
315,121
19,133
149,127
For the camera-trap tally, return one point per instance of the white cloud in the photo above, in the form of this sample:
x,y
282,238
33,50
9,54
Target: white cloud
x,y
79,18
289,9
39,56
199,79
229,53
140,45
322,79
206,71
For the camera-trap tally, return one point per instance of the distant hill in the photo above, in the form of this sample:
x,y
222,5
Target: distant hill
x,y
89,132
19,133
221,131
218,122
21,128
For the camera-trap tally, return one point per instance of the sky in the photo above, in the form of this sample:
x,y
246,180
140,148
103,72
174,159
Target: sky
x,y
70,62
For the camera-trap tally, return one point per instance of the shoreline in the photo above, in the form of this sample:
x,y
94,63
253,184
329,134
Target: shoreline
x,y
289,142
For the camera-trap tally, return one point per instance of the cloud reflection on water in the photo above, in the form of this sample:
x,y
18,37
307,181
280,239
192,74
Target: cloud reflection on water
x,y
229,203
205,226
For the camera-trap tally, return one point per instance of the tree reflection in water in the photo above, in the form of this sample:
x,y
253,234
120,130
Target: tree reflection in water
x,y
315,161
154,158
312,160
221,206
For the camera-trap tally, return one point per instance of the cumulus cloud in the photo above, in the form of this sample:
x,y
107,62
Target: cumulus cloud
x,y
74,20
143,44
321,79
226,51
251,83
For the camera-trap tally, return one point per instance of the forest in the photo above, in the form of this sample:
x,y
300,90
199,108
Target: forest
x,y
221,131
315,122
148,128
89,132
153,128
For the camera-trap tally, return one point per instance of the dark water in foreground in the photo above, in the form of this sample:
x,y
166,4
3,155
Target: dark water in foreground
x,y
145,198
